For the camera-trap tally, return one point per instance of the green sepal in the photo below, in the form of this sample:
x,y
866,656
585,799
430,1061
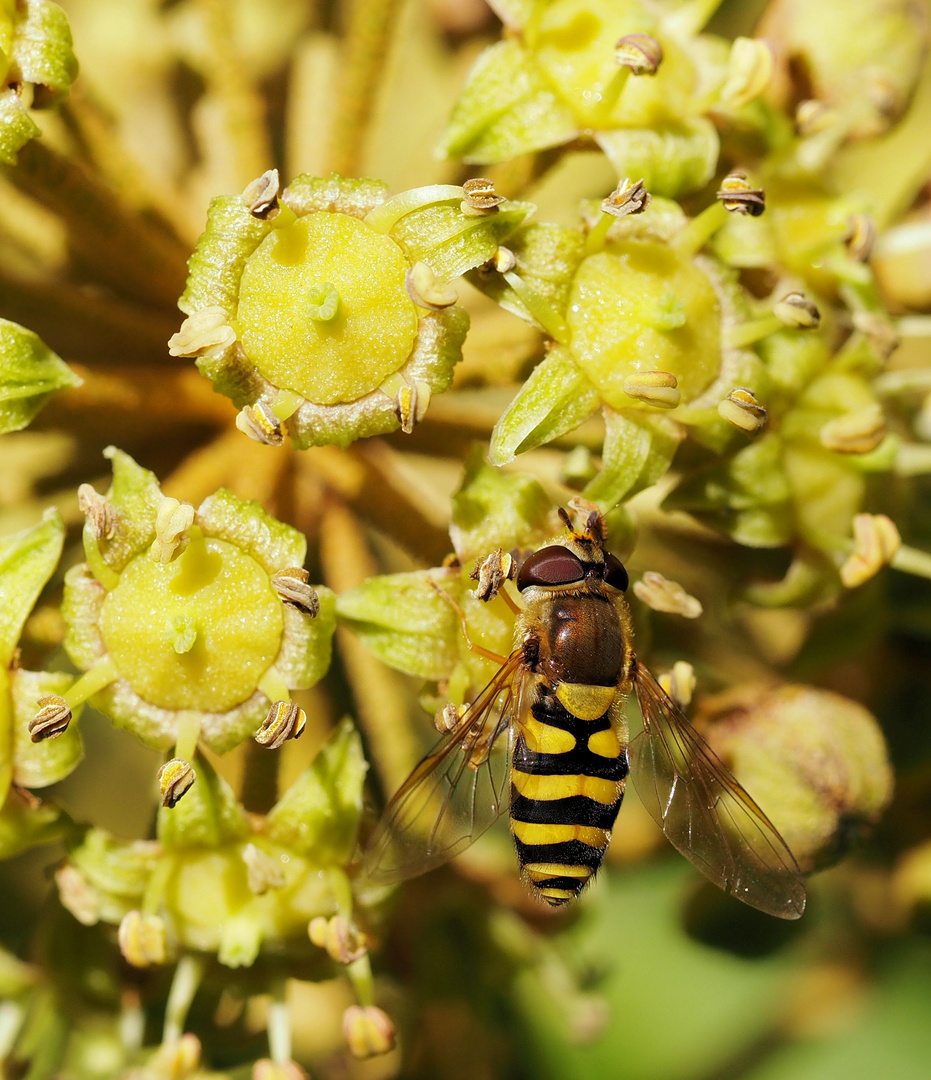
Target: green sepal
x,y
307,643
43,49
747,497
307,194
134,495
451,242
118,870
27,561
792,360
36,765
215,268
547,259
15,976
495,509
319,814
23,827
553,401
506,108
638,449
17,127
207,815
273,544
826,493
29,371
673,159
811,579
404,621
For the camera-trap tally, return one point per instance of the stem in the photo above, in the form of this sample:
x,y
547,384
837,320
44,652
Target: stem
x,y
700,229
279,1025
100,675
188,974
743,334
117,245
187,735
912,561
360,975
595,241
365,51
913,459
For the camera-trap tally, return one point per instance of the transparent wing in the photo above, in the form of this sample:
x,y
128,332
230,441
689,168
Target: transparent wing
x,y
705,813
455,793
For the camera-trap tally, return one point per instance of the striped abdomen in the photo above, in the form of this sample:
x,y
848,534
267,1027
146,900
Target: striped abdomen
x,y
567,782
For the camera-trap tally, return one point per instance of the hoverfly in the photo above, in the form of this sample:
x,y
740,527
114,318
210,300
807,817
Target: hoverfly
x,y
558,703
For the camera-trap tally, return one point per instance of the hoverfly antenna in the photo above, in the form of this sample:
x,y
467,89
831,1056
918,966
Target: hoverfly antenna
x,y
593,526
564,517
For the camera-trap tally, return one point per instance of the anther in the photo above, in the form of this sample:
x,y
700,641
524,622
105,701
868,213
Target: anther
x,y
797,311
368,1031
875,542
661,594
447,718
294,588
739,198
427,290
741,409
175,778
51,720
491,574
504,260
641,53
410,404
173,519
813,116
656,388
856,432
749,71
284,721
262,871
480,197
261,196
97,510
860,237
629,197
260,423
342,940
207,330
679,683
142,939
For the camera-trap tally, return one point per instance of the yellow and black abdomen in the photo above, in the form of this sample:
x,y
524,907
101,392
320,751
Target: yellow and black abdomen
x,y
567,781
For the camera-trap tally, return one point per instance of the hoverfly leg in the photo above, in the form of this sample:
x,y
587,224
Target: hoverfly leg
x,y
479,649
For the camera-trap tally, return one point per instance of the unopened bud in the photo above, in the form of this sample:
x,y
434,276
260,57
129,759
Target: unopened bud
x,y
368,1031
741,409
656,388
143,939
661,594
855,433
261,196
173,519
263,871
294,588
205,331
860,237
797,311
260,423
491,574
97,510
875,540
629,197
739,198
749,70
480,196
51,720
284,721
427,290
641,53
175,778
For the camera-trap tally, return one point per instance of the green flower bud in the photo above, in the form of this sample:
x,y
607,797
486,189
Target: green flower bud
x,y
24,825
106,878
224,644
29,374
208,815
37,68
321,318
816,763
601,68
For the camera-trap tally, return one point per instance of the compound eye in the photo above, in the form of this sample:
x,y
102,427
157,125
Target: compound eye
x,y
615,573
553,565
